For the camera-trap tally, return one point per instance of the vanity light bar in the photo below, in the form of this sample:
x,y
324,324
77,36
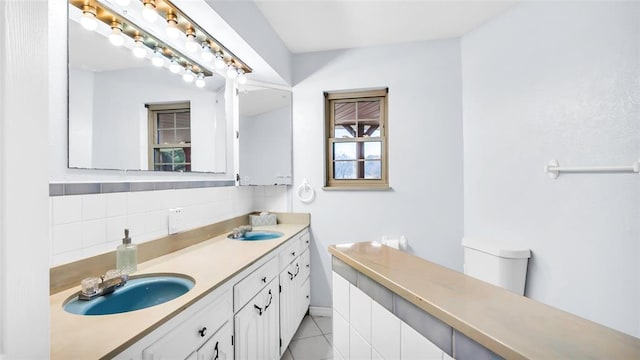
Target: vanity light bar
x,y
165,7
108,16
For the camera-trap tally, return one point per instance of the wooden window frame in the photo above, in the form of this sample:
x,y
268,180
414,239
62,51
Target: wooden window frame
x,y
152,111
333,97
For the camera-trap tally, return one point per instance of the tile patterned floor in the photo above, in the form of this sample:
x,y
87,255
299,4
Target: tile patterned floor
x,y
312,341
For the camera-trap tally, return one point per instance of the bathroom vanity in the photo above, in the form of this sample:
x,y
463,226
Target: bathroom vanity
x,y
248,299
388,304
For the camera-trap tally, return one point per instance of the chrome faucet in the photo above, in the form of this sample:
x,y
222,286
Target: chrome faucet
x,y
240,231
91,288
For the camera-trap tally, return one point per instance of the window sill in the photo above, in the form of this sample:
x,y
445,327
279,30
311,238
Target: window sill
x,y
358,188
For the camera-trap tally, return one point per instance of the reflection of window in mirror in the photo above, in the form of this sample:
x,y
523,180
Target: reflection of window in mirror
x,y
170,137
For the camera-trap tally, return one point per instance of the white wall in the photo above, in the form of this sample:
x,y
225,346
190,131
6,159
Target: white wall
x,y
249,23
24,219
551,80
425,152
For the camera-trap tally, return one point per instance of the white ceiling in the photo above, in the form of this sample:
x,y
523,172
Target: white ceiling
x,y
312,25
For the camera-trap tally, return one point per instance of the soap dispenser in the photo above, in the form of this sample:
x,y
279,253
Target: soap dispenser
x,y
127,255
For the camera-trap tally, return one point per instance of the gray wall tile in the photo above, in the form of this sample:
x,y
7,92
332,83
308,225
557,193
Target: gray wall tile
x,y
80,189
433,329
116,187
142,186
164,185
344,270
467,349
56,189
377,292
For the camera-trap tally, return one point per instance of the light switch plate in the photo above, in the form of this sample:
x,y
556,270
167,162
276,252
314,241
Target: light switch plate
x,y
176,220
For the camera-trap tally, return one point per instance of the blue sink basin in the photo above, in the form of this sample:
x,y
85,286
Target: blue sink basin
x,y
138,293
258,235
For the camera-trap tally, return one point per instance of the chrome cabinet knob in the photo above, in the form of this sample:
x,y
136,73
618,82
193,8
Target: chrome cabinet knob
x,y
203,331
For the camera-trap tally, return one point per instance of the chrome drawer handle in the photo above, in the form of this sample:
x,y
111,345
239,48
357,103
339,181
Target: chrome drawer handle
x,y
262,310
291,276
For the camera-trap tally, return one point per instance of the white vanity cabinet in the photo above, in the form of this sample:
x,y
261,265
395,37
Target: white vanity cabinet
x,y
194,331
251,316
257,325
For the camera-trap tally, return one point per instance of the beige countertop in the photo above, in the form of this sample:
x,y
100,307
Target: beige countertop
x,y
210,263
512,326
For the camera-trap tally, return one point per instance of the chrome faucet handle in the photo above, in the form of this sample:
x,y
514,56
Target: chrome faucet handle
x,y
94,287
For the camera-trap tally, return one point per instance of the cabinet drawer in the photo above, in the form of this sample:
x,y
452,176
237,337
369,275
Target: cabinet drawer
x,y
291,251
305,264
219,346
305,239
193,332
248,287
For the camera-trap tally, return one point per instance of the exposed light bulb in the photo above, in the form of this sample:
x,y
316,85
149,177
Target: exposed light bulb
x,y
158,58
232,73
219,62
149,11
207,55
123,3
116,38
242,78
174,66
172,30
190,43
188,75
200,80
139,49
88,19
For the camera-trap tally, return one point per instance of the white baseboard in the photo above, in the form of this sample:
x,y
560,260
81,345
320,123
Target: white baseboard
x,y
320,311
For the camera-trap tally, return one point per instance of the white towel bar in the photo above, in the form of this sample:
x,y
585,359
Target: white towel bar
x,y
554,169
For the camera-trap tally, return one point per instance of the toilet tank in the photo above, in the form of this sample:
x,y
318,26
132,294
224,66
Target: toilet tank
x,y
496,263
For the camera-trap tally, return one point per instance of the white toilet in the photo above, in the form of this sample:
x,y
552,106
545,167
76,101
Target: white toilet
x,y
497,264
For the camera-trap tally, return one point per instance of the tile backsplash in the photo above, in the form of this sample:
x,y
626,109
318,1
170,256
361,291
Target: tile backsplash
x,y
90,224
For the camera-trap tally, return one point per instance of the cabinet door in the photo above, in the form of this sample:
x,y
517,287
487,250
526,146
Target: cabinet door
x,y
305,297
219,346
257,326
289,304
305,264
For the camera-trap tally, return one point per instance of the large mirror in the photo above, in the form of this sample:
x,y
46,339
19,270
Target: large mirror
x,y
265,135
126,114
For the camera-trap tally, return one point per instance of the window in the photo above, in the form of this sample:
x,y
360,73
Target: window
x,y
170,137
356,139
